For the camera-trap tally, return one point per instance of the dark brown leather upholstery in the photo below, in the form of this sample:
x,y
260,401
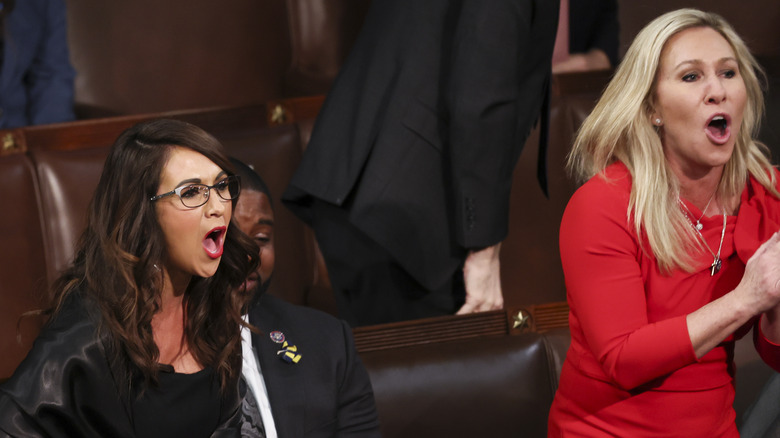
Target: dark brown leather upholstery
x,y
321,35
22,270
150,56
499,386
754,20
67,180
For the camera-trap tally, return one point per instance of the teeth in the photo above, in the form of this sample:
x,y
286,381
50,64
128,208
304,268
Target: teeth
x,y
718,118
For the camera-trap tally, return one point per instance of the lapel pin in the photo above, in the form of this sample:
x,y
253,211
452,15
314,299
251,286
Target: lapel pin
x,y
277,336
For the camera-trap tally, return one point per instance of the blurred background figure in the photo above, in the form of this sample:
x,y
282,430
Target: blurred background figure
x,y
36,77
407,176
588,36
326,392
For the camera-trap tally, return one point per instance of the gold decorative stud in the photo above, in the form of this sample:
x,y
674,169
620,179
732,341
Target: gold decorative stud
x,y
9,144
278,114
521,320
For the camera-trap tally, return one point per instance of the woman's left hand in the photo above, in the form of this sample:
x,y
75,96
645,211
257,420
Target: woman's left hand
x,y
760,286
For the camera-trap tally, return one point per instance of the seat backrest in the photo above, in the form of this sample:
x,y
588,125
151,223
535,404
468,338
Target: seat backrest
x,y
67,181
226,53
498,386
321,35
149,56
754,20
23,271
275,152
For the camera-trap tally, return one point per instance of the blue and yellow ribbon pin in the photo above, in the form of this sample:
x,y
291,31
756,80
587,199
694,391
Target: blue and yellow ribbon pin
x,y
289,353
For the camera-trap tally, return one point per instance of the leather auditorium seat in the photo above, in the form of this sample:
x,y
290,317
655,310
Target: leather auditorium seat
x,y
67,180
495,387
23,270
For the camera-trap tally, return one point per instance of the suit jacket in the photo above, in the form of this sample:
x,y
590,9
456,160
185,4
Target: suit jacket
x,y
593,24
420,133
328,392
36,78
65,386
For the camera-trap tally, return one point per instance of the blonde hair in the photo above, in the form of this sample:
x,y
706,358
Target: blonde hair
x,y
619,129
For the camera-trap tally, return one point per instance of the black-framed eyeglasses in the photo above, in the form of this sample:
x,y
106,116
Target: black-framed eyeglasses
x,y
195,195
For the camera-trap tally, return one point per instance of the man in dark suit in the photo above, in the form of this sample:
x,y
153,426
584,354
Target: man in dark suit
x,y
588,35
304,375
407,175
327,393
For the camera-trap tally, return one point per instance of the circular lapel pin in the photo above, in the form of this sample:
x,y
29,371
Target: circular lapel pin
x,y
277,336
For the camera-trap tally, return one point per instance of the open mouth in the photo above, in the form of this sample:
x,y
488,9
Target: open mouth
x,y
214,241
718,128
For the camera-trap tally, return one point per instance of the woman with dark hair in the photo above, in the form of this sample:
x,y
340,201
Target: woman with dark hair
x,y
145,334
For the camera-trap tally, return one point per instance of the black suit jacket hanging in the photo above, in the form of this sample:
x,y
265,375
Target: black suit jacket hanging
x,y
420,133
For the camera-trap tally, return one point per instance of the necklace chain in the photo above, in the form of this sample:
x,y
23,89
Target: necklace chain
x,y
699,225
716,262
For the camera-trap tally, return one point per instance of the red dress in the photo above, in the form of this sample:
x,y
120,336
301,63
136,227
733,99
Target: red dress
x,y
631,370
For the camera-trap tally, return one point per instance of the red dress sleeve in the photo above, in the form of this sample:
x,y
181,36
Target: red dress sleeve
x,y
767,350
603,265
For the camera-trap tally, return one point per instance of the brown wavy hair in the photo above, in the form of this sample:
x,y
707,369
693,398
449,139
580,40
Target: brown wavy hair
x,y
115,260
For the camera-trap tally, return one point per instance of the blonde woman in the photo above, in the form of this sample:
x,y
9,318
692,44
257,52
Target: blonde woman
x,y
669,249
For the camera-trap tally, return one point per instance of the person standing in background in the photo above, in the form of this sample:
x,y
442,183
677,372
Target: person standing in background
x,y
407,175
588,36
36,77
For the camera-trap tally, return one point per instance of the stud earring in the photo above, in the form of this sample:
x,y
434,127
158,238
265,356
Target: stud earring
x,y
658,122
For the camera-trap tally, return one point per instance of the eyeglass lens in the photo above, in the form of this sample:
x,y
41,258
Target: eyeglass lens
x,y
195,195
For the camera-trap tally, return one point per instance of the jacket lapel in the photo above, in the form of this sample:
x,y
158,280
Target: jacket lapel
x,y
283,380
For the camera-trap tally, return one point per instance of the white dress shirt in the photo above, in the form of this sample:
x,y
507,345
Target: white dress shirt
x,y
254,378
